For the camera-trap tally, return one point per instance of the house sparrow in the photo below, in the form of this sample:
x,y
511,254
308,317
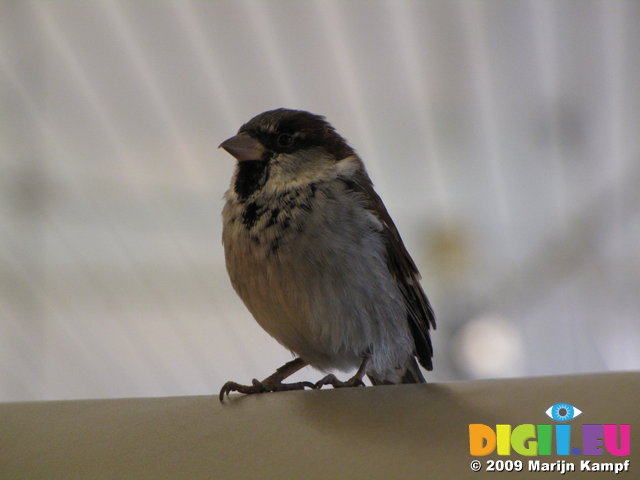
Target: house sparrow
x,y
313,253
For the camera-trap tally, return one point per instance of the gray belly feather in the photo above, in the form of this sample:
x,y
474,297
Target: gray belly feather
x,y
318,283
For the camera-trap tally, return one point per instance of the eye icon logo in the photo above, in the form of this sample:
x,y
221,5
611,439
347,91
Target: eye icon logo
x,y
562,412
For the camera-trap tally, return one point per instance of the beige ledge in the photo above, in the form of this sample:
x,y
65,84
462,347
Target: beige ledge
x,y
403,432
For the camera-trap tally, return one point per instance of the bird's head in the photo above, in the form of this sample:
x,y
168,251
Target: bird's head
x,y
274,133
288,146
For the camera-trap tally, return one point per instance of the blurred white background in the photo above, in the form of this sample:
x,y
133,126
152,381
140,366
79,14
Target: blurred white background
x,y
503,137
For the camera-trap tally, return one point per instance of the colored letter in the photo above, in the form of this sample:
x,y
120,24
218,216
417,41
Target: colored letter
x,y
563,439
503,432
544,440
482,439
610,440
523,440
592,439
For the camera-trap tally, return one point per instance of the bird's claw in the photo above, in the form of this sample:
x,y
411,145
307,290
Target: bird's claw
x,y
229,387
261,387
332,380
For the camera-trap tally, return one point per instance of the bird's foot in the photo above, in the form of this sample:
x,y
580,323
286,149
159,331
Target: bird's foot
x,y
355,381
261,387
331,379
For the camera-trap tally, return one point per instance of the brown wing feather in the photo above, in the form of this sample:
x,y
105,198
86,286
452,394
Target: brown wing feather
x,y
420,314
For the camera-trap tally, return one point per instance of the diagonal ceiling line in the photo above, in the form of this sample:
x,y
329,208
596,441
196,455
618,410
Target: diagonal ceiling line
x,y
259,16
206,60
54,142
415,57
476,33
545,41
62,47
334,30
145,74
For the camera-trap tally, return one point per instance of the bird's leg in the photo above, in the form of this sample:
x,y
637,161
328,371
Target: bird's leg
x,y
355,381
273,383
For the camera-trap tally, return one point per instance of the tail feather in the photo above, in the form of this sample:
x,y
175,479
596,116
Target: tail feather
x,y
413,373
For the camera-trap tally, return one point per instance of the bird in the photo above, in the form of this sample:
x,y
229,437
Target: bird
x,y
316,258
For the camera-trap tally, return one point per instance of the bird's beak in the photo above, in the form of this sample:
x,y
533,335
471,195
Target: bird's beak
x,y
244,147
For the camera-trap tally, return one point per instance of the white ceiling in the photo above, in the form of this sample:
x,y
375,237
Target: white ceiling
x,y
503,137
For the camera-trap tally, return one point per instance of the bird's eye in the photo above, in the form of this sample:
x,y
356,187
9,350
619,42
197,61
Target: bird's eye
x,y
285,140
563,412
